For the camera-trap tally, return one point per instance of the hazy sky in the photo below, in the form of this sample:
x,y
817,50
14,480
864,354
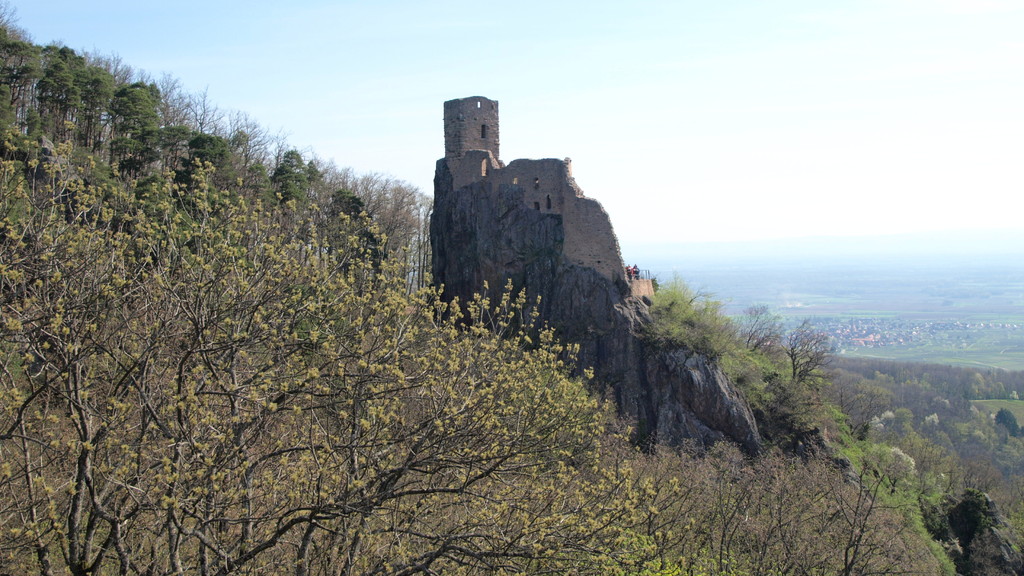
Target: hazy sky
x,y
688,120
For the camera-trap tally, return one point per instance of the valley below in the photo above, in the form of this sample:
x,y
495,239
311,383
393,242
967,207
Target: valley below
x,y
962,308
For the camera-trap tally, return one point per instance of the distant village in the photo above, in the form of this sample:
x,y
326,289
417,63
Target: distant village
x,y
849,333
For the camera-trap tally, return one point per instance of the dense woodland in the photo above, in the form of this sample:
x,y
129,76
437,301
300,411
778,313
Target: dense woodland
x,y
221,355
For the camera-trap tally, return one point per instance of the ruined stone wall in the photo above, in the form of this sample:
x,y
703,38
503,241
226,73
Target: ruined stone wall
x,y
547,185
590,240
474,166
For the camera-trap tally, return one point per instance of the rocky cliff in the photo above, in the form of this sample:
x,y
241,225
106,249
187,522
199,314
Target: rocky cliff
x,y
489,229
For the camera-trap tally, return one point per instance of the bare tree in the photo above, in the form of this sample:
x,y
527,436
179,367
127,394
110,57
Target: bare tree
x,y
858,399
204,116
122,73
9,20
761,329
174,102
808,350
223,394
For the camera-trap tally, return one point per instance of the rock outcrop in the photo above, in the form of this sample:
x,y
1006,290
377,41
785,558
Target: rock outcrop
x,y
52,167
529,224
978,538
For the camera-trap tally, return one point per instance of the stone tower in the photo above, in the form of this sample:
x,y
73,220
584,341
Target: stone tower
x,y
470,124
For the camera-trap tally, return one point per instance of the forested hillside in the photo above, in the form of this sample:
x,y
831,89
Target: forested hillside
x,y
221,355
117,124
960,420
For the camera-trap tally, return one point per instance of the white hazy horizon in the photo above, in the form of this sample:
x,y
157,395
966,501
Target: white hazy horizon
x,y
1004,245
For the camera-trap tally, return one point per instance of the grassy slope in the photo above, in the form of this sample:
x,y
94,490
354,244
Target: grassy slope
x,y
993,406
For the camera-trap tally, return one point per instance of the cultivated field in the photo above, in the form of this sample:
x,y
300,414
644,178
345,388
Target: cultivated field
x,y
993,406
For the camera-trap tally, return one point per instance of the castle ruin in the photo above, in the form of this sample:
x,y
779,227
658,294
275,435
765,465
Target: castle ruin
x,y
527,224
471,152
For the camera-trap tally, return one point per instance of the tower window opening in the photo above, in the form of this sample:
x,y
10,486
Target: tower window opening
x,y
477,103
483,130
549,202
536,183
483,168
515,180
536,206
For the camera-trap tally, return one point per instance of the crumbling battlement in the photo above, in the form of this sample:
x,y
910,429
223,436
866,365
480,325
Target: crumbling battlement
x,y
546,185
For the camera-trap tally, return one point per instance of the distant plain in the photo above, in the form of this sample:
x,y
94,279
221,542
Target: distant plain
x,y
957,304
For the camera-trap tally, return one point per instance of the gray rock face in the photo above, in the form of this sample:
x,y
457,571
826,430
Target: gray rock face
x,y
694,399
491,230
52,167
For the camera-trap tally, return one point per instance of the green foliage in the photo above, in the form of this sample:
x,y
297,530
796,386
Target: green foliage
x,y
1006,419
19,69
970,516
220,376
291,178
778,373
172,142
97,90
690,319
136,127
957,452
346,202
1014,407
209,148
59,93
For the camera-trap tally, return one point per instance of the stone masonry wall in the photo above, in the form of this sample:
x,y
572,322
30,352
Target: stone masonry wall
x,y
546,185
